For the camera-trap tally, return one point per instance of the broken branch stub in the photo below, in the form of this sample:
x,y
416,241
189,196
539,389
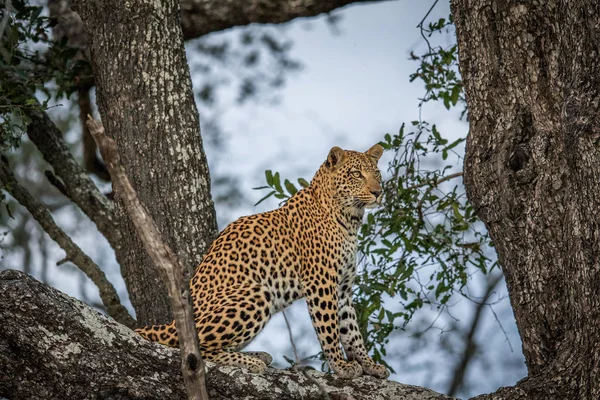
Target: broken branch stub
x,y
163,257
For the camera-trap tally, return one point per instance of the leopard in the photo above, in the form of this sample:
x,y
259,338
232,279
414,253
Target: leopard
x,y
259,264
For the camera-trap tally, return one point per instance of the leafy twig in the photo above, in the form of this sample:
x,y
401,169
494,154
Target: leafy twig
x,y
420,25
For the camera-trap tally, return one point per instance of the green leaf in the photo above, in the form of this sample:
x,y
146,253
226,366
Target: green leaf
x,y
455,94
303,182
277,183
441,288
289,186
457,215
269,177
454,144
446,100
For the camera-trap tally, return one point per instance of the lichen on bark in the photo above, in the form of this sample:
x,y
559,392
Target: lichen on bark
x,y
53,346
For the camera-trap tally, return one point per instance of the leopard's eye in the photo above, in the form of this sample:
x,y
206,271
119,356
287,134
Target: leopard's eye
x,y
356,174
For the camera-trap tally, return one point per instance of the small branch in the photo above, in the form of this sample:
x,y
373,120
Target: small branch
x,y
470,345
436,183
420,25
193,368
507,339
91,162
298,363
108,294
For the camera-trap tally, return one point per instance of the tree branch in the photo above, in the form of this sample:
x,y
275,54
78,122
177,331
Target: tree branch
x,y
298,363
166,261
108,294
54,346
200,17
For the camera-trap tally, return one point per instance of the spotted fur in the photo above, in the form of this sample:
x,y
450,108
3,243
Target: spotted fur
x,y
262,263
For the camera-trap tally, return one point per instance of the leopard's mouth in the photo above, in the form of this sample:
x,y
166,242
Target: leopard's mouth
x,y
373,202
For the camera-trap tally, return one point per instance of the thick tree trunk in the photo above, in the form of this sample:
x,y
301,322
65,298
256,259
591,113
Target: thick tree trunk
x,y
145,98
53,346
532,172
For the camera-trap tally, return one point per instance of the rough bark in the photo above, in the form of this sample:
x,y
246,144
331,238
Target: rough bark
x,y
145,97
532,172
53,346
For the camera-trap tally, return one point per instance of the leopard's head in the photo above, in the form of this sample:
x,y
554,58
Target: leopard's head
x,y
355,176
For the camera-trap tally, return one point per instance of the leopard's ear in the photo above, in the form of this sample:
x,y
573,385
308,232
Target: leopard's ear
x,y
335,157
375,152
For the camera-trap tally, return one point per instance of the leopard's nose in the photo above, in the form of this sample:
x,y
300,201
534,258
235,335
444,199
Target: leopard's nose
x,y
376,193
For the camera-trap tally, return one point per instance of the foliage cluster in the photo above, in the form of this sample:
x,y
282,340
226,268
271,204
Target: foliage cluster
x,y
29,61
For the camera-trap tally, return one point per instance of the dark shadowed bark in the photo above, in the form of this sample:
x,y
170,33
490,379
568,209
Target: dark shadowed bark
x,y
145,98
532,172
199,17
62,349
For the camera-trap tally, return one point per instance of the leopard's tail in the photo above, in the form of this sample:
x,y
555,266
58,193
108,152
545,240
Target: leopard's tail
x,y
165,334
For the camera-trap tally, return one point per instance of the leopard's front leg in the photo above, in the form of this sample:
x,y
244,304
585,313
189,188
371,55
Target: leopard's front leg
x,y
322,300
352,339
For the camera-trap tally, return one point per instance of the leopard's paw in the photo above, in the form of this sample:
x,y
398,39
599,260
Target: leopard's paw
x,y
256,366
376,370
261,355
347,370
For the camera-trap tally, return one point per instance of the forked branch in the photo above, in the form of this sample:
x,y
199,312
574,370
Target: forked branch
x,y
164,258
